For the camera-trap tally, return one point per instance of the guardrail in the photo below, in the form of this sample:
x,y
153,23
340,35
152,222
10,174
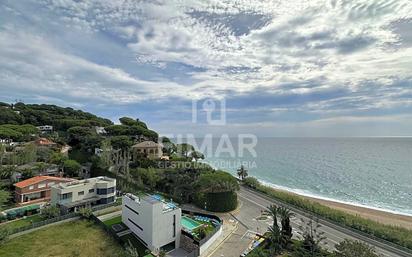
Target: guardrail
x,y
371,239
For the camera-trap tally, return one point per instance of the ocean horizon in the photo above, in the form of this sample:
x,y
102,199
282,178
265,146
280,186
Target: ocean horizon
x,y
370,172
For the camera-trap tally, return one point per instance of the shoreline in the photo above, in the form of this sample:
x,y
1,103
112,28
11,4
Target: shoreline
x,y
381,216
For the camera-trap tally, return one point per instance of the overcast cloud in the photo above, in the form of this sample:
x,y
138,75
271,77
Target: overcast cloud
x,y
285,68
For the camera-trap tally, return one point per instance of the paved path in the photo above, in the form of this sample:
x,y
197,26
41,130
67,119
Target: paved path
x,y
109,215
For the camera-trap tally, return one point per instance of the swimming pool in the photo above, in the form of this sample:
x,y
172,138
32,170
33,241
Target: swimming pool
x,y
189,223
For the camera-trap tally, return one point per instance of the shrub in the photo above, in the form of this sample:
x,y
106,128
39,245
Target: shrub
x,y
85,212
217,202
251,182
50,212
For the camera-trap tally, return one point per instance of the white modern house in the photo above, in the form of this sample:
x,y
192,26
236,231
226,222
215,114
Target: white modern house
x,y
45,128
83,193
154,221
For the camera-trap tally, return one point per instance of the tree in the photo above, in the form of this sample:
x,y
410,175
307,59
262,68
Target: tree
x,y
85,212
150,177
197,155
242,172
350,248
312,238
6,171
50,212
41,167
57,158
121,142
286,231
4,198
274,235
71,167
184,149
2,153
106,153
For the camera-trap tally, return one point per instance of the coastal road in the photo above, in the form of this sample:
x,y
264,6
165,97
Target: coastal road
x,y
253,203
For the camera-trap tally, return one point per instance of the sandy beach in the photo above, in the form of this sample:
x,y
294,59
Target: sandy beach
x,y
372,214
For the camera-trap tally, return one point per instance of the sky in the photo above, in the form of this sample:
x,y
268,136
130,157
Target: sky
x,y
270,68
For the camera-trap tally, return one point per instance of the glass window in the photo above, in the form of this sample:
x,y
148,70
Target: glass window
x,y
91,190
80,193
66,196
31,187
41,185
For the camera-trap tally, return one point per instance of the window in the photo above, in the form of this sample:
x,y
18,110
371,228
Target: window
x,y
65,196
131,209
102,191
135,224
91,190
105,191
51,184
174,225
31,187
80,193
41,185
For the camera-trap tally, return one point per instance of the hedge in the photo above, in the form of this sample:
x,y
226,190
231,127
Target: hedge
x,y
217,202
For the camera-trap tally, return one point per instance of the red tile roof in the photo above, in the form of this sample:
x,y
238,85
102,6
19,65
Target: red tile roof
x,y
38,179
44,141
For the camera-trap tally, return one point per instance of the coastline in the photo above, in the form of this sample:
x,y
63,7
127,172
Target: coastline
x,y
381,216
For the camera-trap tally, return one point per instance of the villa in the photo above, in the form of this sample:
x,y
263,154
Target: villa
x,y
150,149
154,221
45,128
44,142
36,189
83,193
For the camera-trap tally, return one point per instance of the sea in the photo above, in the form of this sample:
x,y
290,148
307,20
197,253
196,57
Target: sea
x,y
369,172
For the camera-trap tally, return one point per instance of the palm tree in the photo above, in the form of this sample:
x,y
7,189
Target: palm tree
x,y
242,172
274,235
286,231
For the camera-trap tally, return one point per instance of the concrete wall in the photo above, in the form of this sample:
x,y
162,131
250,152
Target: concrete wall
x,y
82,187
209,242
156,226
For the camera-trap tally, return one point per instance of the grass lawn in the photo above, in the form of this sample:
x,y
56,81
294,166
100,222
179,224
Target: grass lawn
x,y
112,221
76,238
22,222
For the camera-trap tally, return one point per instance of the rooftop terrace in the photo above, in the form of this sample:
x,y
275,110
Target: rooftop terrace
x,y
84,182
154,199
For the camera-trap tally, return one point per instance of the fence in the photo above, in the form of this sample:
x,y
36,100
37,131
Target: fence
x,y
107,229
44,222
59,218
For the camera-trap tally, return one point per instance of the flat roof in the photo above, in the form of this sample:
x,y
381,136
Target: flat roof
x,y
84,182
154,199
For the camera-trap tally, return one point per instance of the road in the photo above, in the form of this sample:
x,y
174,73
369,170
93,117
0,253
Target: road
x,y
252,204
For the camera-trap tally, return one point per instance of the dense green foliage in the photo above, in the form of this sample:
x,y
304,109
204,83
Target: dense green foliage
x,y
43,114
17,132
71,167
217,182
217,202
394,234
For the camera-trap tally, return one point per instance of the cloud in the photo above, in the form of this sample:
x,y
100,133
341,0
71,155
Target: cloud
x,y
271,60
